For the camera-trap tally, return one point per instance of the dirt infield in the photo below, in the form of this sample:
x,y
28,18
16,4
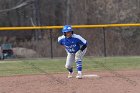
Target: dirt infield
x,y
109,82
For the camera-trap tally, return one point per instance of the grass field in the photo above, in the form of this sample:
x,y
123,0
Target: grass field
x,y
41,66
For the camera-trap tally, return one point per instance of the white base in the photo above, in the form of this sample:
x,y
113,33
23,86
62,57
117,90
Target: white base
x,y
91,75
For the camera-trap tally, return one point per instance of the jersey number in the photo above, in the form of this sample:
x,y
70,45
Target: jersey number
x,y
71,50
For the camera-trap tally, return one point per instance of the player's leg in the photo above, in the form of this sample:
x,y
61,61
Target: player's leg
x,y
78,59
69,61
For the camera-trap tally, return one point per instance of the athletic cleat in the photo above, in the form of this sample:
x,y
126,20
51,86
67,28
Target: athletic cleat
x,y
79,76
70,75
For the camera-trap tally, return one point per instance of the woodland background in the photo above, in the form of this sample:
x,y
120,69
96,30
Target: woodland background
x,y
120,41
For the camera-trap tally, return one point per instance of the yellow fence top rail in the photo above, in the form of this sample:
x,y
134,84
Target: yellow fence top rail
x,y
74,26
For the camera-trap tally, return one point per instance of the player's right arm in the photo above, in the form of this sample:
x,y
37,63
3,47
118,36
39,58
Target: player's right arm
x,y
61,39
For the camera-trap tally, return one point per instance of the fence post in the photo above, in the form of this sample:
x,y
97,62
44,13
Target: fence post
x,y
51,44
104,37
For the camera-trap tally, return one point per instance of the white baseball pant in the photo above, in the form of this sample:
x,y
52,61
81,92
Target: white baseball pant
x,y
74,57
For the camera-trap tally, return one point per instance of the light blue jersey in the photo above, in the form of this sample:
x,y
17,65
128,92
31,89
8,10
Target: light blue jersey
x,y
72,44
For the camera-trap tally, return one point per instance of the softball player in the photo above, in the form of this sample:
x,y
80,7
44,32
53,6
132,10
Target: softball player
x,y
75,47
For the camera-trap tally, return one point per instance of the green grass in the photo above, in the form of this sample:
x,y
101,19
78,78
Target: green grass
x,y
41,66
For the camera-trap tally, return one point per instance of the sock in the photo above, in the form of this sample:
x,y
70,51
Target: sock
x,y
79,65
79,72
70,70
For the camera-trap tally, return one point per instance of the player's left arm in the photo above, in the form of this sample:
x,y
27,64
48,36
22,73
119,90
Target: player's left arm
x,y
83,47
83,43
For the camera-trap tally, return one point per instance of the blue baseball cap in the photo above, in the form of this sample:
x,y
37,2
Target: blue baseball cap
x,y
67,28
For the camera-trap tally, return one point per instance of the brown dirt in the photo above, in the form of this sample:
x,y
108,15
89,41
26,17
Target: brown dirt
x,y
124,82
